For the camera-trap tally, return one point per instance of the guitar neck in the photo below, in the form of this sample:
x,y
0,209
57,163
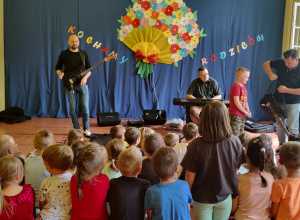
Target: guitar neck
x,y
280,121
93,67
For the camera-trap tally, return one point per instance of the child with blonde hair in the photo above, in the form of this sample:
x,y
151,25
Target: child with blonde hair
x,y
255,187
16,202
126,193
145,131
171,139
34,169
89,186
118,131
114,148
7,145
54,195
74,135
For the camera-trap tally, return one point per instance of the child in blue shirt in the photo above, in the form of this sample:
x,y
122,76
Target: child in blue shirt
x,y
168,199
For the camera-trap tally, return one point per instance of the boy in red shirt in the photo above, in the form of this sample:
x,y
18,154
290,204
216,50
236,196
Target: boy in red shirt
x,y
238,108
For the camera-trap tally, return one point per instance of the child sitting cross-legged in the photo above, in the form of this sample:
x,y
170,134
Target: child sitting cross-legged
x,y
55,195
126,193
89,186
169,199
16,202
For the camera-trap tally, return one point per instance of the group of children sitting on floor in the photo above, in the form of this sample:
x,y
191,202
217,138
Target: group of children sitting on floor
x,y
136,175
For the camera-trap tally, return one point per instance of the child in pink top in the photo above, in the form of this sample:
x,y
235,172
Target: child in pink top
x,y
286,192
255,186
89,186
16,202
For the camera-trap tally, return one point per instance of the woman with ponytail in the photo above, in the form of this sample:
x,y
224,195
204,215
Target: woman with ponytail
x,y
255,187
89,186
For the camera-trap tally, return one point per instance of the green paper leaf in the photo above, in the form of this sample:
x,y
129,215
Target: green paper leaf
x,y
134,1
195,15
119,36
120,21
128,9
191,55
201,33
176,64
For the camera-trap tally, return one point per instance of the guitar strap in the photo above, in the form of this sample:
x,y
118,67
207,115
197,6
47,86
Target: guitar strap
x,y
82,56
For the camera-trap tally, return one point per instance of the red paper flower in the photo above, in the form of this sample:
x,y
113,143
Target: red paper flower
x,y
135,23
169,10
157,24
174,29
174,48
186,37
154,14
146,5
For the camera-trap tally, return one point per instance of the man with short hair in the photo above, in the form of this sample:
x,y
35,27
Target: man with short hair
x,y
71,59
204,87
288,91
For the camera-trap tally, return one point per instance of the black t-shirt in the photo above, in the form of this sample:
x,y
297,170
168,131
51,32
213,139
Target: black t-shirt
x,y
71,61
147,172
209,89
290,79
126,198
214,164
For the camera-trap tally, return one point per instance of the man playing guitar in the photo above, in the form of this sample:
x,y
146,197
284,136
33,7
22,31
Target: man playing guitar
x,y
71,59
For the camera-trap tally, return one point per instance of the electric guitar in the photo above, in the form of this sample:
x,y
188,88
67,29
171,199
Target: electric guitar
x,y
72,80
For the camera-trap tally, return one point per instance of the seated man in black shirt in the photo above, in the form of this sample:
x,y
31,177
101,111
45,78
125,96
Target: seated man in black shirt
x,y
204,87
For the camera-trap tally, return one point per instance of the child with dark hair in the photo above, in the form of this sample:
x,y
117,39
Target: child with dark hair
x,y
54,195
255,187
132,136
171,139
152,143
126,193
114,148
244,138
89,186
285,192
169,199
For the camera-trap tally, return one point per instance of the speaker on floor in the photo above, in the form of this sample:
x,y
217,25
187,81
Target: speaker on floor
x,y
107,119
154,117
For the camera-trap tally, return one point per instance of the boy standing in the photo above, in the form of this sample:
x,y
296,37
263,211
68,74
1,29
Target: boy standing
x,y
55,195
126,193
169,199
285,192
239,108
34,169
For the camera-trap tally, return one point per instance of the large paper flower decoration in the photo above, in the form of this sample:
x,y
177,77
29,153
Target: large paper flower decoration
x,y
159,31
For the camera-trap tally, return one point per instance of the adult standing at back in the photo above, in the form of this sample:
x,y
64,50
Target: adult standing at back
x,y
204,87
72,59
210,163
288,91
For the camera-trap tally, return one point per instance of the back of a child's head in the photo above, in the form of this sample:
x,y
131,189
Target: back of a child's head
x,y
171,139
145,131
267,137
11,167
129,161
164,162
244,138
58,156
241,71
132,134
6,143
74,135
258,153
153,142
114,148
43,139
117,131
190,130
289,155
92,158
76,147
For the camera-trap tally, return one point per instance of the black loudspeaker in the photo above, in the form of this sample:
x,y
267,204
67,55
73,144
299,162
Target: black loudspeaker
x,y
107,119
155,117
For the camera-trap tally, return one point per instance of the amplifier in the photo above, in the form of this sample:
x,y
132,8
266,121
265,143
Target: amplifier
x,y
107,119
155,117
